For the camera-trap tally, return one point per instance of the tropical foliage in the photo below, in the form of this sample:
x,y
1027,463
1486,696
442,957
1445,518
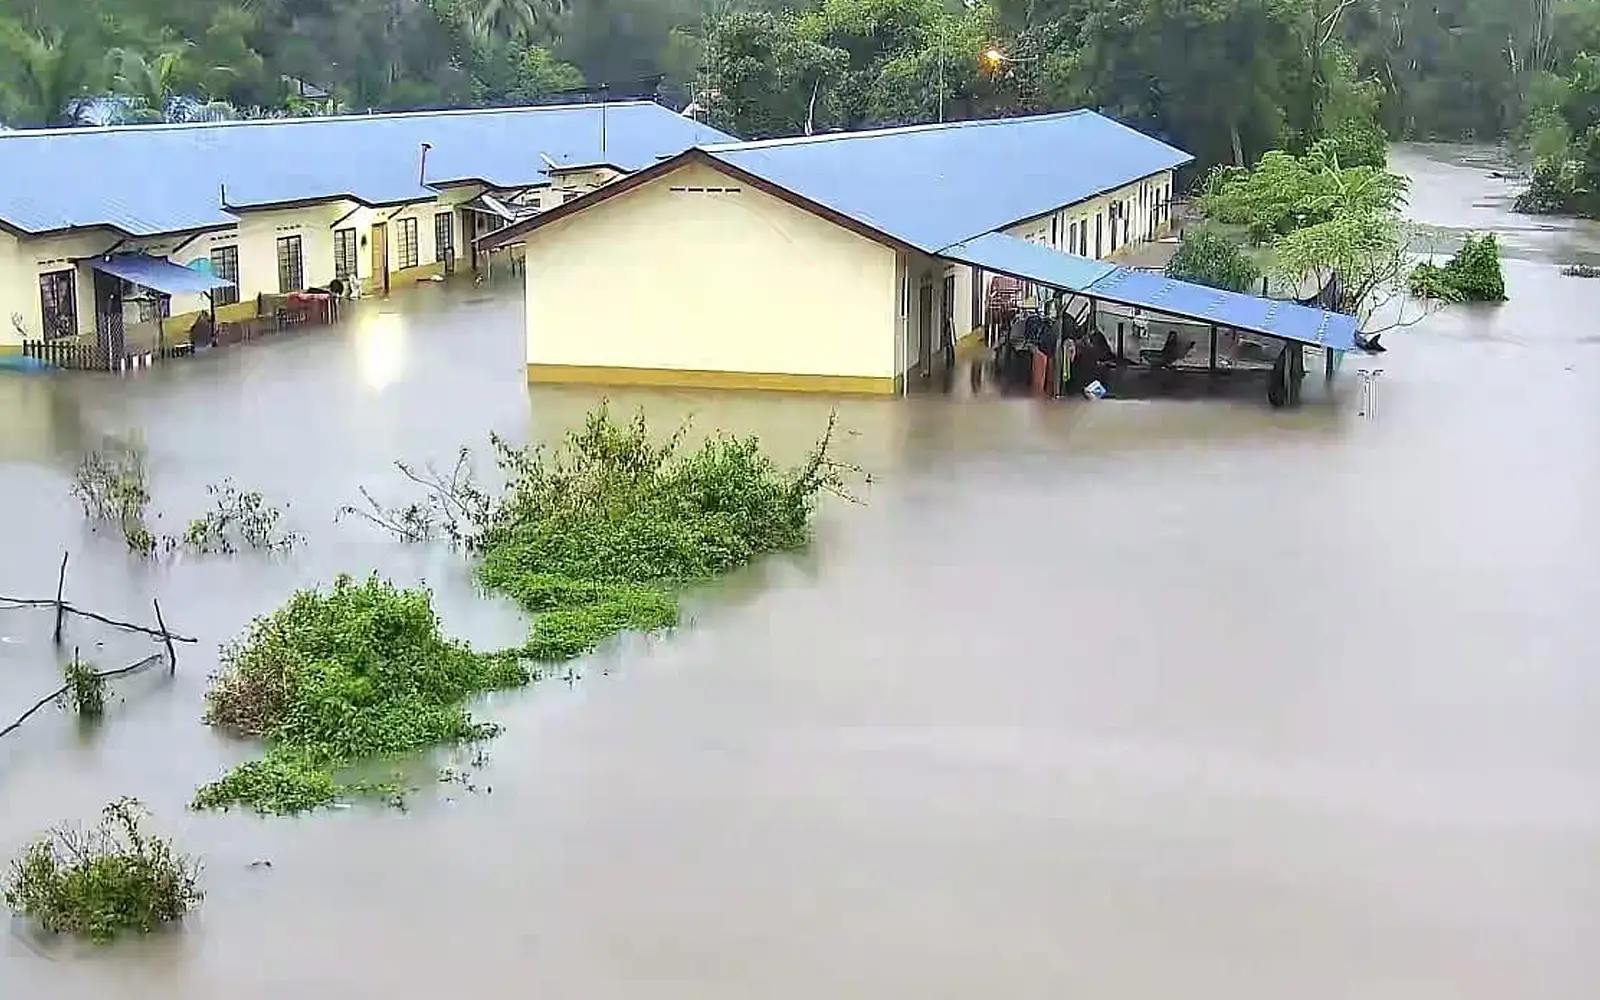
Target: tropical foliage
x,y
1206,257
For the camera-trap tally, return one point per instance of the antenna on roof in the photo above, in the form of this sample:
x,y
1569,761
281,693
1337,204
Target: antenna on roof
x,y
222,193
548,162
422,169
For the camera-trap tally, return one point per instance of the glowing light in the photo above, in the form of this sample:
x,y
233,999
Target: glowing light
x,y
995,57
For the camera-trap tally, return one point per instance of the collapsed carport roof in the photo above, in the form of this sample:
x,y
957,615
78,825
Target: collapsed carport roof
x,y
1157,293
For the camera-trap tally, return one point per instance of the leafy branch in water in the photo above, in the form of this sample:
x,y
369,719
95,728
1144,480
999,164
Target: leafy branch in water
x,y
237,520
592,538
85,688
113,485
103,881
453,506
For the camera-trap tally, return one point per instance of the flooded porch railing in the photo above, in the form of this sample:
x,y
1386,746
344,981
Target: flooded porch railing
x,y
274,314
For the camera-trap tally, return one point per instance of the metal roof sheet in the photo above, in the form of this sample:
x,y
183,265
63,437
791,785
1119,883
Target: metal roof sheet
x,y
931,186
1021,259
150,179
1158,293
159,273
1279,318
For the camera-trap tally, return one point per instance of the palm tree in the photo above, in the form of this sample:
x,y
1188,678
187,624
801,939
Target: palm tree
x,y
148,85
48,79
521,20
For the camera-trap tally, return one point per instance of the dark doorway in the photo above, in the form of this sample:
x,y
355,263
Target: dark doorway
x,y
925,333
109,333
444,240
977,298
58,303
947,325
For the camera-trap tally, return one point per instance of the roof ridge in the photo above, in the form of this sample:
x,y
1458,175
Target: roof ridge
x,y
801,140
82,130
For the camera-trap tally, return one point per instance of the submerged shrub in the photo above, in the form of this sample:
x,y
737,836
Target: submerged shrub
x,y
592,538
236,521
104,881
1472,275
338,676
1208,258
113,486
86,688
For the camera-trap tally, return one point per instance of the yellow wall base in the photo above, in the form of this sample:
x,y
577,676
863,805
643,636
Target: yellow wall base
x,y
10,348
685,379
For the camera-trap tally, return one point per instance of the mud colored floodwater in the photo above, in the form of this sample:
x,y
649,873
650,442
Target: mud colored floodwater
x,y
1115,700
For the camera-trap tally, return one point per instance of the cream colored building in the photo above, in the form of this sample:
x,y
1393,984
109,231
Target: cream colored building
x,y
270,207
818,263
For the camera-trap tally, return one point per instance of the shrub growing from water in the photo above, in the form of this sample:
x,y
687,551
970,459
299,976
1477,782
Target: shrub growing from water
x,y
1208,258
592,538
86,688
1472,275
104,881
338,676
237,520
113,485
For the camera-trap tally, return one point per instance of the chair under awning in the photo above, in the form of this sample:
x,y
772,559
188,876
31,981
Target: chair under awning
x,y
158,274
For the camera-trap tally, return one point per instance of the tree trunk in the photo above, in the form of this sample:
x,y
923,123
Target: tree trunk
x,y
1238,144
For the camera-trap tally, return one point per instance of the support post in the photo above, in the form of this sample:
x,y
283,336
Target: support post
x,y
1327,364
1213,348
166,637
61,586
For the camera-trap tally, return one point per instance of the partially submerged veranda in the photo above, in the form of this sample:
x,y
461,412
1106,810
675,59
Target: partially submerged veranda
x,y
1114,316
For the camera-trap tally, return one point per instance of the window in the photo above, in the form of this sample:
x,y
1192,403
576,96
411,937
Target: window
x,y
1055,232
58,303
291,265
1099,234
408,243
345,267
444,236
225,265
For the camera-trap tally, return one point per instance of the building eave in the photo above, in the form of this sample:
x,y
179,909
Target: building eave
x,y
516,232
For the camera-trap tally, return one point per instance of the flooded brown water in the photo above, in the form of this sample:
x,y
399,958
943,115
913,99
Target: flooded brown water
x,y
1026,725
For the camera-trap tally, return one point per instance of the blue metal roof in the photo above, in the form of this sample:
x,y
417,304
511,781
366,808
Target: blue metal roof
x,y
1155,292
1021,259
934,185
159,273
1273,317
150,179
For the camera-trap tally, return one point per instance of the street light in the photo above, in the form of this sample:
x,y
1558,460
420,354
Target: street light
x,y
995,58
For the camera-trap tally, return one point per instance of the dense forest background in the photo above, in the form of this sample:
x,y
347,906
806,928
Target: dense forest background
x,y
1227,79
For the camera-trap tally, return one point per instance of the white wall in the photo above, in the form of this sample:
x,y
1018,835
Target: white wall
x,y
698,272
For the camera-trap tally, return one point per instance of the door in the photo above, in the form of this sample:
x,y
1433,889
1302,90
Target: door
x,y
380,257
110,334
1099,235
58,303
947,311
925,321
977,299
444,240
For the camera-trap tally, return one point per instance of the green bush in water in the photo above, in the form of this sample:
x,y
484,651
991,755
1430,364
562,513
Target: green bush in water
x,y
1208,258
593,538
101,882
1472,275
339,676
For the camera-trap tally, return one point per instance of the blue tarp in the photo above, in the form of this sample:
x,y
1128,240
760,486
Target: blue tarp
x,y
1157,293
159,274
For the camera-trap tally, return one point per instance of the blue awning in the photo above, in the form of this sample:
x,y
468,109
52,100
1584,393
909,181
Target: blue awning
x,y
1097,280
159,274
